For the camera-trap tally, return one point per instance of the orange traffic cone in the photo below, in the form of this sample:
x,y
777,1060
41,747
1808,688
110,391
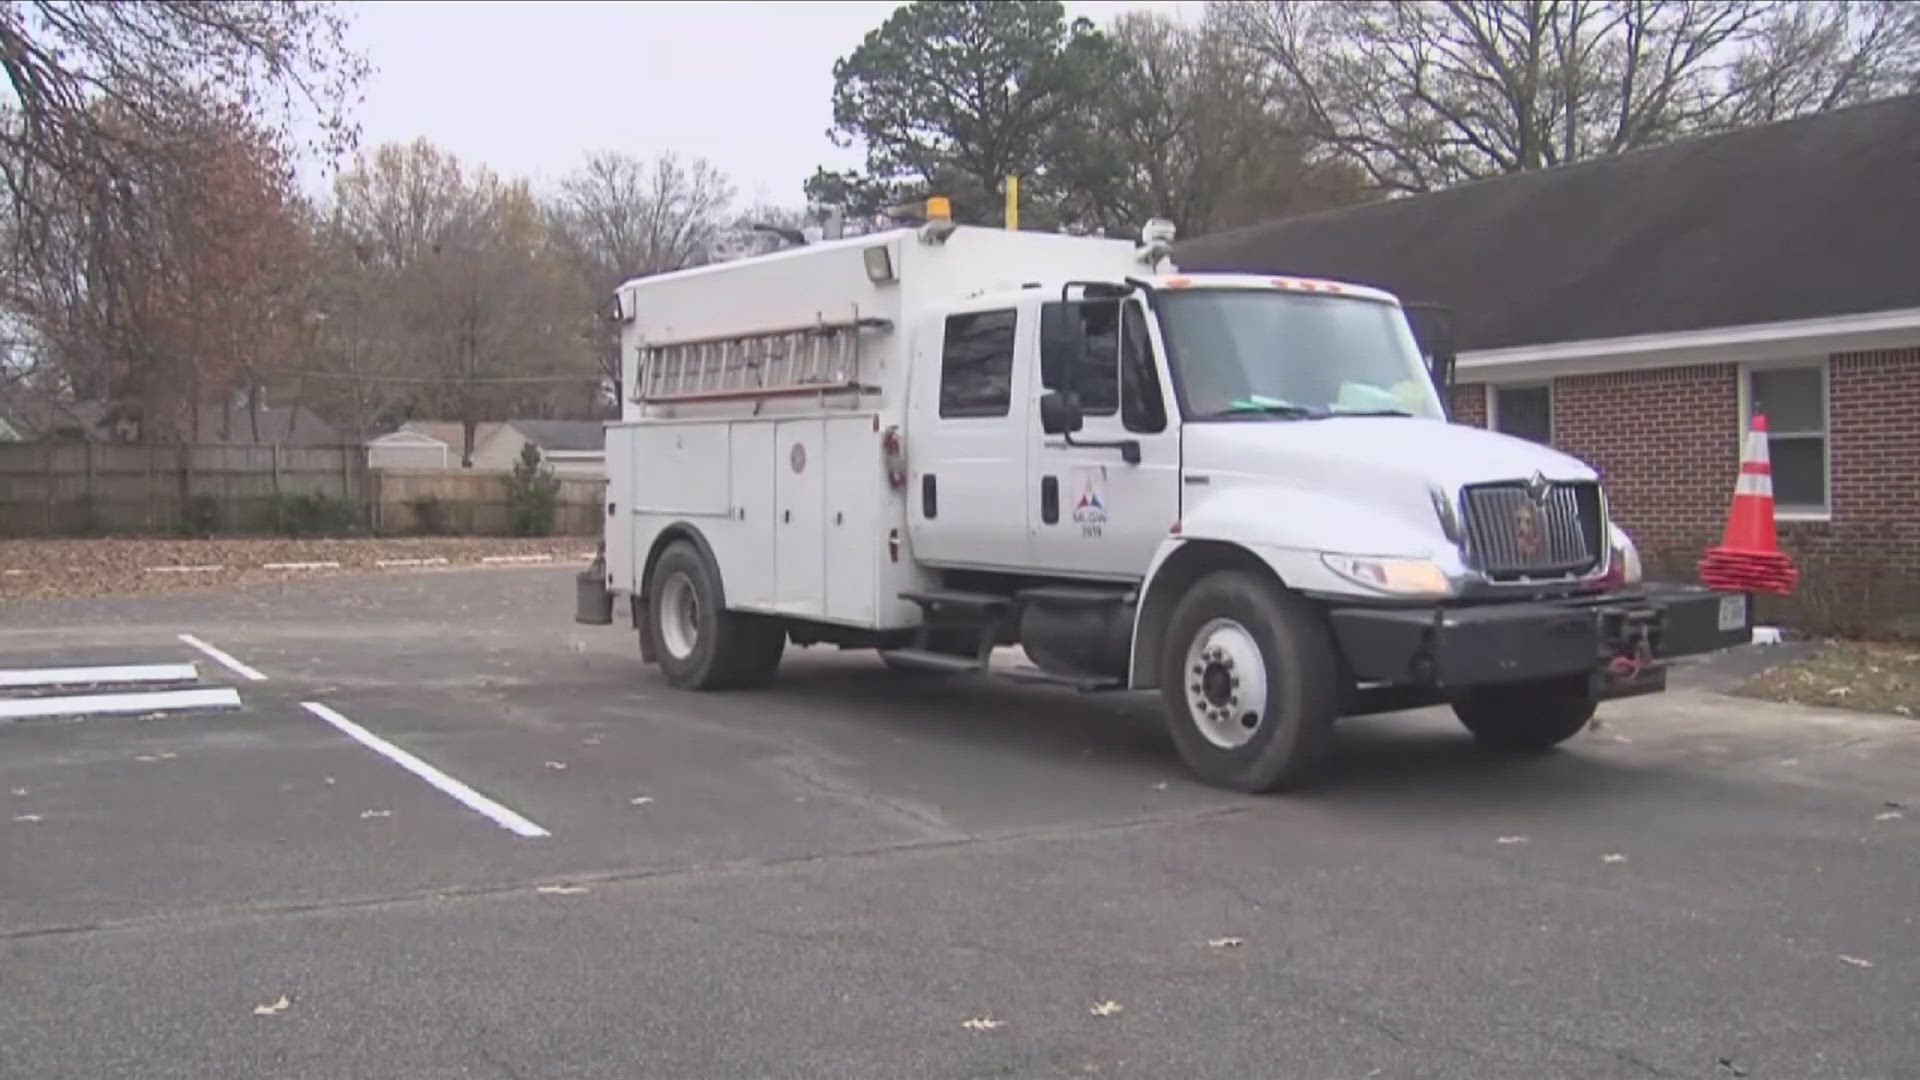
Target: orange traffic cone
x,y
1748,558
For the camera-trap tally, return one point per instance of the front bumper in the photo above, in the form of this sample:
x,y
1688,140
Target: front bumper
x,y
1621,641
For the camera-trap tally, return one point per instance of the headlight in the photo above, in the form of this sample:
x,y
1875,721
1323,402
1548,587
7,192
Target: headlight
x,y
1626,557
1401,577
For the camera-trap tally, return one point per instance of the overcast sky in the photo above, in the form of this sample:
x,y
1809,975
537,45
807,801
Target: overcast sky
x,y
531,88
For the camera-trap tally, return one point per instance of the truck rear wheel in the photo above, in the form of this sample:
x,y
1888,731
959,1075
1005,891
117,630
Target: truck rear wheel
x,y
1526,716
1249,682
700,645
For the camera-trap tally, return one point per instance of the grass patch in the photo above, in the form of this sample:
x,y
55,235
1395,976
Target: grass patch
x,y
1845,675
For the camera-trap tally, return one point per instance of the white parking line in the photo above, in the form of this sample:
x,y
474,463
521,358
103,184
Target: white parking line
x,y
100,676
225,660
516,558
326,565
499,814
206,568
410,562
99,704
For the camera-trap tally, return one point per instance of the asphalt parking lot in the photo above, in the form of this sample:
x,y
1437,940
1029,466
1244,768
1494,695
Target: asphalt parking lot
x,y
860,874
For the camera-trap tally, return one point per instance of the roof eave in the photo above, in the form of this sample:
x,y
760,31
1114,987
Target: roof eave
x,y
1755,343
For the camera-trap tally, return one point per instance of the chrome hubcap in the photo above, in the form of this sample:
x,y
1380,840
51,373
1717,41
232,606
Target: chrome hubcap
x,y
679,617
1226,684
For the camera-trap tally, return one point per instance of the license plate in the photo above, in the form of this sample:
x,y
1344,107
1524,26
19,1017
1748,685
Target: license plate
x,y
1733,612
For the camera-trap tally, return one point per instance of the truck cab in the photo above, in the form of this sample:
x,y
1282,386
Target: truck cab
x,y
1241,492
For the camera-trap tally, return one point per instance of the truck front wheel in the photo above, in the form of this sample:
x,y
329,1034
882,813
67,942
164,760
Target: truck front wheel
x,y
700,645
1249,682
1526,716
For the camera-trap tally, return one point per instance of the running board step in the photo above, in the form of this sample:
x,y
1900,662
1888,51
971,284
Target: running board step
x,y
1082,683
933,599
928,660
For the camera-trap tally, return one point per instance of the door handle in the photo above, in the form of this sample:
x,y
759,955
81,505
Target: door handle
x,y
929,498
1050,499
786,517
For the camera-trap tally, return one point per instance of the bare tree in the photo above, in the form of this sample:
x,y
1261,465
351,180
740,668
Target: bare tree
x,y
626,218
92,82
1192,129
618,217
1428,93
449,295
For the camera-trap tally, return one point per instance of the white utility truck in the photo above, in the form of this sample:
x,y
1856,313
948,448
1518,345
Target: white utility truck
x,y
1242,492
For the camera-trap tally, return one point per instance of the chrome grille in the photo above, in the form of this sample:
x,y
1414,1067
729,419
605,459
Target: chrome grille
x,y
1550,531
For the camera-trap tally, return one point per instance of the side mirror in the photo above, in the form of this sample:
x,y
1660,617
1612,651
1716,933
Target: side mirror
x,y
1432,327
1059,414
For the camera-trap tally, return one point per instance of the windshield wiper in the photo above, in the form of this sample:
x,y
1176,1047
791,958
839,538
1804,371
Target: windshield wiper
x,y
1267,408
1372,412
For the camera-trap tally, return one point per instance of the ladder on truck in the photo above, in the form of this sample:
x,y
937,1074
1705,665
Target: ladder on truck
x,y
818,357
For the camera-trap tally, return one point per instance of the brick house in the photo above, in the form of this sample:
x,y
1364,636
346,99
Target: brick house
x,y
1635,311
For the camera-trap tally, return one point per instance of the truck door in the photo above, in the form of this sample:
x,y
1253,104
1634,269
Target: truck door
x,y
1090,512
966,438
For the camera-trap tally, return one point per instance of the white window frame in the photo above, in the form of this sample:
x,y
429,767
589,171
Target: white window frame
x,y
1493,403
1783,512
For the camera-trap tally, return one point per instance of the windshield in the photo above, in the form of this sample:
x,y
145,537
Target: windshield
x,y
1245,353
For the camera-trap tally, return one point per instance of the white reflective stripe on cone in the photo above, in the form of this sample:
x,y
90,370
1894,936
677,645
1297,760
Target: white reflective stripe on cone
x,y
1756,447
1754,484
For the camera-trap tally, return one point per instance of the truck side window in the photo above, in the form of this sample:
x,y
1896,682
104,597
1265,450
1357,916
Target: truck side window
x,y
1079,351
1141,407
976,364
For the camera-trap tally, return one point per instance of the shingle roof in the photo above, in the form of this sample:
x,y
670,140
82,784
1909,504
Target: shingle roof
x,y
1806,218
564,435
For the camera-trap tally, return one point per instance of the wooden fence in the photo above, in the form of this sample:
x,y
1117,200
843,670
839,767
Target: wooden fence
x,y
470,502
88,489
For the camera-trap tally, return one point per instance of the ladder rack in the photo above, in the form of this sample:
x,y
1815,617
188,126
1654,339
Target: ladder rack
x,y
779,361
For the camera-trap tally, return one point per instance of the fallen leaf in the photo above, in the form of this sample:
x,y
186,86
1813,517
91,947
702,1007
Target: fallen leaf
x,y
274,1009
364,814
556,765
1106,1008
1729,1065
1856,961
1615,857
982,1023
1511,840
640,801
1225,942
562,890
27,817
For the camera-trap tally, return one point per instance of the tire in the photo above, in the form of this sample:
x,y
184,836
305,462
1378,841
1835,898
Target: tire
x,y
1532,716
698,644
1229,623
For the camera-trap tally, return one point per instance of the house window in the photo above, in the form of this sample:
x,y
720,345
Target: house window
x,y
976,364
1794,401
1524,411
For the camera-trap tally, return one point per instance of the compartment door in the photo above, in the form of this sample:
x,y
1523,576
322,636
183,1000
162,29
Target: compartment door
x,y
800,575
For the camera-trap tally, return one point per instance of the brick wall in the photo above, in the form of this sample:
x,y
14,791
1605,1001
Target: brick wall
x,y
1469,405
1667,444
1861,570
